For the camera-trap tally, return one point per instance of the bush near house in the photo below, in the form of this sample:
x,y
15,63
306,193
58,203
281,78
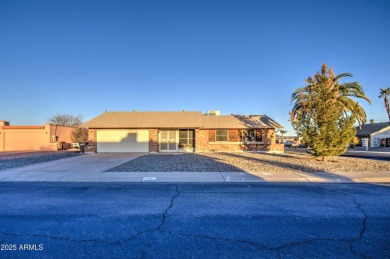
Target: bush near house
x,y
79,135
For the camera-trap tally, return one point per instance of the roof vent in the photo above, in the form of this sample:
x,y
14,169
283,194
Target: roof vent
x,y
213,112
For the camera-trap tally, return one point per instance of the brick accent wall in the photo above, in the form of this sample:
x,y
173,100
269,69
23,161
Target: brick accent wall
x,y
201,140
91,147
153,141
202,143
269,136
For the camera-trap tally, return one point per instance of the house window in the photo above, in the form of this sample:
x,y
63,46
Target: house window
x,y
252,135
186,138
221,135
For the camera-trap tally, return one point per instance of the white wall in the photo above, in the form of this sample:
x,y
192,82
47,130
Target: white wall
x,y
377,136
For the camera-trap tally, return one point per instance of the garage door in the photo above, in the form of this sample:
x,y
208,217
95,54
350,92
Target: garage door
x,y
122,140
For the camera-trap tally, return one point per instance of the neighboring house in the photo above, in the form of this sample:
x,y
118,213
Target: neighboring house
x,y
43,138
286,138
181,132
378,134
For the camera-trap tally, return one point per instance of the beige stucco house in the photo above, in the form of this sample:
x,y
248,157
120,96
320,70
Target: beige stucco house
x,y
182,131
43,138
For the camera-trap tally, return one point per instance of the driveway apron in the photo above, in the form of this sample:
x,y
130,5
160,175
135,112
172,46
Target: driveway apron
x,y
84,163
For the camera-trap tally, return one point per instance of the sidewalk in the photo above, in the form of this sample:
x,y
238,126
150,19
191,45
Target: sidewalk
x,y
194,177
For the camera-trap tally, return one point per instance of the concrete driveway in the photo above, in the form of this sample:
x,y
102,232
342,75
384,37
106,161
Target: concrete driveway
x,y
85,163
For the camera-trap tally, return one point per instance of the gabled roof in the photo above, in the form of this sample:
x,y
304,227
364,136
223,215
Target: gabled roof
x,y
184,119
239,122
368,129
135,119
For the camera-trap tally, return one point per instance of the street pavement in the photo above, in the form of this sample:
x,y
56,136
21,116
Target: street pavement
x,y
52,210
137,220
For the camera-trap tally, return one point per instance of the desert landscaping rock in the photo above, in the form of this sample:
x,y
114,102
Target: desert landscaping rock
x,y
175,163
11,160
248,162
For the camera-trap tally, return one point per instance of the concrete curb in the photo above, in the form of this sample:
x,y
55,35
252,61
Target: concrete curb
x,y
196,177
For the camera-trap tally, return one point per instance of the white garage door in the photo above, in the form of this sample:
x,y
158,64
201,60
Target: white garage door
x,y
122,140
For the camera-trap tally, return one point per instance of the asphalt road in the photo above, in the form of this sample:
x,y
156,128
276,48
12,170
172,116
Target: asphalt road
x,y
119,220
381,156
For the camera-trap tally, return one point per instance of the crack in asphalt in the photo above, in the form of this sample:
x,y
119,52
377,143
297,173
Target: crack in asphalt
x,y
158,228
358,206
51,237
164,216
256,244
226,239
252,243
364,221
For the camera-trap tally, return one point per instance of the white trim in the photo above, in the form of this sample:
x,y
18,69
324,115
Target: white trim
x,y
381,130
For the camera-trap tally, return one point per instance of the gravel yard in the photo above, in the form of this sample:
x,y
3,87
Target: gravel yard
x,y
16,159
247,162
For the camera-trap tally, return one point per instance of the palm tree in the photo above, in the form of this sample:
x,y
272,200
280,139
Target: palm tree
x,y
283,132
384,94
343,92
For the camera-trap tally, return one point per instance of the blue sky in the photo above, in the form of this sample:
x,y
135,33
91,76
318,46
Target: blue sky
x,y
241,57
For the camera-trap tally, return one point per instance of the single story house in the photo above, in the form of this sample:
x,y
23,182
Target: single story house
x,y
37,138
378,134
183,131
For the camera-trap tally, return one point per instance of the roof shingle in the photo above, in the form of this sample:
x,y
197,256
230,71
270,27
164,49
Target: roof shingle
x,y
184,119
144,120
368,129
239,122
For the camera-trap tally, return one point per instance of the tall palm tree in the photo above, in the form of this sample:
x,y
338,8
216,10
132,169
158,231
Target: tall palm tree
x,y
343,92
283,132
385,93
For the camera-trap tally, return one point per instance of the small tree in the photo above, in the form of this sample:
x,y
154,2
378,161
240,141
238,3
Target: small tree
x,y
385,93
66,120
79,135
324,114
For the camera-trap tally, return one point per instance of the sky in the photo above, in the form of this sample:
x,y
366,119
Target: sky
x,y
236,56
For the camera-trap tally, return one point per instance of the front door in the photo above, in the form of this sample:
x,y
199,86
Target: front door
x,y
168,140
